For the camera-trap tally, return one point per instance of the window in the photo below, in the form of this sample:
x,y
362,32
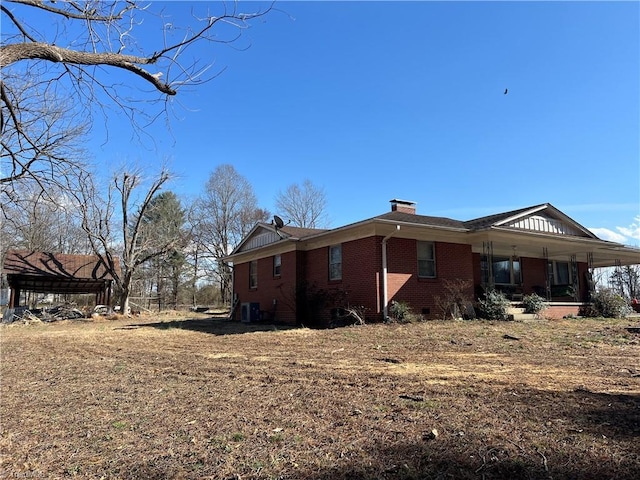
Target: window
x,y
335,262
561,273
506,271
426,260
277,265
253,274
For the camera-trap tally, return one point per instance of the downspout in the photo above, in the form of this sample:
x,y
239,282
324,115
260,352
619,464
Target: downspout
x,y
385,299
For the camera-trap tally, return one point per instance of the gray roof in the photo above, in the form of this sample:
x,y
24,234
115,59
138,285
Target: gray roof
x,y
299,232
422,220
483,222
426,220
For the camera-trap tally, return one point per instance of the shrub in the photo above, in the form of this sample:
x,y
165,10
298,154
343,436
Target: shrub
x,y
322,308
608,304
401,312
534,303
494,306
457,299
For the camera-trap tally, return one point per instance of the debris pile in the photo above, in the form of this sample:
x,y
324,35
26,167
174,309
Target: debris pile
x,y
67,311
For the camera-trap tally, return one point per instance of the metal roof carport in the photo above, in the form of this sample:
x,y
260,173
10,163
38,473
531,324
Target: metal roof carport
x,y
43,272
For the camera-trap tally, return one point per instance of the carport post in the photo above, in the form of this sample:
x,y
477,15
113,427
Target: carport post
x,y
14,300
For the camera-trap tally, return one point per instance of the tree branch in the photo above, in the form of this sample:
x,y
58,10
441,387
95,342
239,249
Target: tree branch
x,y
83,15
16,52
16,22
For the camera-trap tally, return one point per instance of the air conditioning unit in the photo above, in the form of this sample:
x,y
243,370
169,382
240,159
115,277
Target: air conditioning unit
x,y
249,312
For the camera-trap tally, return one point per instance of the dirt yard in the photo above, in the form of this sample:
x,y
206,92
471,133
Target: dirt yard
x,y
155,398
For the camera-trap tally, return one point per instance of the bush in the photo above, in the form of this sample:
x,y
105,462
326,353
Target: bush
x,y
608,304
401,312
534,303
457,300
494,306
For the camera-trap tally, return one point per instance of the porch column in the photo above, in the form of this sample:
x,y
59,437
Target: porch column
x,y
487,279
548,272
591,285
575,278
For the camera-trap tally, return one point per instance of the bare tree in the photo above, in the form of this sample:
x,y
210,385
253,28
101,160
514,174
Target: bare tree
x,y
304,205
72,69
41,223
40,141
227,211
625,281
135,242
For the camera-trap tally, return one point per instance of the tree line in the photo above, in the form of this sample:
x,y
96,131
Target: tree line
x,y
161,250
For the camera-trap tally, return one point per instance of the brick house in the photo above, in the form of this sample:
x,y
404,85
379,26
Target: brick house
x,y
403,256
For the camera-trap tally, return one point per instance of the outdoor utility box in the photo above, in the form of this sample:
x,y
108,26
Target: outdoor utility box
x,y
249,312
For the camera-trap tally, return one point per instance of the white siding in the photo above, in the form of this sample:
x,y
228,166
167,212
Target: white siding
x,y
538,223
260,240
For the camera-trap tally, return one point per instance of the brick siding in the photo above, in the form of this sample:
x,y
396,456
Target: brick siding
x,y
270,288
453,262
361,281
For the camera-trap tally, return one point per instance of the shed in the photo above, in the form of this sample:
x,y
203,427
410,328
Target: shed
x,y
60,273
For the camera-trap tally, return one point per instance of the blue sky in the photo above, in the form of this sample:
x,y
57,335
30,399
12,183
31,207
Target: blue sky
x,y
374,100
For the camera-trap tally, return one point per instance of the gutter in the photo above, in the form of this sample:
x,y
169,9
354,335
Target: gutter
x,y
385,299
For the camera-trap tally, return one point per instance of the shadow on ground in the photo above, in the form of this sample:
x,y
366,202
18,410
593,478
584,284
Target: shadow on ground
x,y
581,452
213,325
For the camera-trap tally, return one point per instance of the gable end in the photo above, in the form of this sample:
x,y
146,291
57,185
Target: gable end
x,y
545,224
259,239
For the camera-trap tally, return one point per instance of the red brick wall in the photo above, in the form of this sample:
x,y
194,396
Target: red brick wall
x,y
361,277
453,261
533,275
362,270
361,261
557,312
281,288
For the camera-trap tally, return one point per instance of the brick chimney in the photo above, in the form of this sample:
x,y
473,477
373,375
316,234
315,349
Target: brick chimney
x,y
403,206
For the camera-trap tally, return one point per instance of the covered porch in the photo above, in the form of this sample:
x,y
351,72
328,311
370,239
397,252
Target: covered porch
x,y
557,267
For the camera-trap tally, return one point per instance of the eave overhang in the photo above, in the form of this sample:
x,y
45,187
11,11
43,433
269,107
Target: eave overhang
x,y
507,241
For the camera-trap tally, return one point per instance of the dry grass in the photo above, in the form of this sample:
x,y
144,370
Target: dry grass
x,y
203,398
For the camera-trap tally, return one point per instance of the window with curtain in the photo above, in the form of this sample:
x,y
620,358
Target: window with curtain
x,y
562,273
506,271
